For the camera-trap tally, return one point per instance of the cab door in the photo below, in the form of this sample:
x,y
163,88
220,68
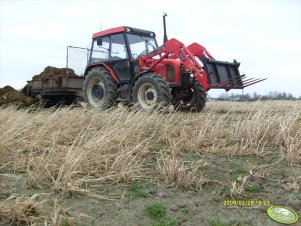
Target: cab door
x,y
118,58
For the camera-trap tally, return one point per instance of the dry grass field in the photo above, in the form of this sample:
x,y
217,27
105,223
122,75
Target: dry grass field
x,y
77,166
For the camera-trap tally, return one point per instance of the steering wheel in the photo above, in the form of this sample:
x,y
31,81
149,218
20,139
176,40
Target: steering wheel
x,y
143,53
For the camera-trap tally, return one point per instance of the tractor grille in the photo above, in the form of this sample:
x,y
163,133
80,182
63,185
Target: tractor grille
x,y
170,73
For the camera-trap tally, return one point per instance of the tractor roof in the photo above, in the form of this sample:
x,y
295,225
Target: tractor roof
x,y
123,29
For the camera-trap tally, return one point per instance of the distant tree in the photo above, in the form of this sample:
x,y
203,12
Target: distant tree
x,y
255,96
272,95
290,96
223,96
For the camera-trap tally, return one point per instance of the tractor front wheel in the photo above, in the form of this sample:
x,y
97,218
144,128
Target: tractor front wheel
x,y
190,100
151,92
100,89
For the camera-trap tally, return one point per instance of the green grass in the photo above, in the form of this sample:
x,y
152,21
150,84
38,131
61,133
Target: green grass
x,y
253,188
275,185
226,190
136,191
240,172
157,211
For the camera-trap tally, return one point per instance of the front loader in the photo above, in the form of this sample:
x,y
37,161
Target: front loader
x,y
127,65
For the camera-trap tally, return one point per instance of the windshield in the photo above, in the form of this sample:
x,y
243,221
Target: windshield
x,y
140,44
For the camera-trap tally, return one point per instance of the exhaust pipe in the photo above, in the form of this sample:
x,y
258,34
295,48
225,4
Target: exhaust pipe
x,y
164,26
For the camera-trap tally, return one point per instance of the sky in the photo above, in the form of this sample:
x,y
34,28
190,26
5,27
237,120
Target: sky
x,y
264,36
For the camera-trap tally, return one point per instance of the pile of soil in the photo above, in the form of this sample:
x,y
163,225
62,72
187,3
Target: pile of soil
x,y
56,74
8,95
53,72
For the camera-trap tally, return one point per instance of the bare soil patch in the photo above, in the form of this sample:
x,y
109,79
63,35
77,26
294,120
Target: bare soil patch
x,y
8,96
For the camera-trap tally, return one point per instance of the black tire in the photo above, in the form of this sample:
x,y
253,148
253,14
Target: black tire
x,y
41,100
100,89
151,92
195,100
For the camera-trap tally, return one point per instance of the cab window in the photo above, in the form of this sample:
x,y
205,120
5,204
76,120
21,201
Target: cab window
x,y
100,50
140,44
118,50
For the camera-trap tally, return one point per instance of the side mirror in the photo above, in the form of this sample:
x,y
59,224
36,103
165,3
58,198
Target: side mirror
x,y
99,41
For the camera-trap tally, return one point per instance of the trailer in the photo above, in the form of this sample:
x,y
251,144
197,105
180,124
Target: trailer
x,y
55,90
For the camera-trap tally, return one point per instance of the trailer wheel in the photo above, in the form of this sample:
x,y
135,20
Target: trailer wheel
x,y
194,100
151,92
40,99
100,89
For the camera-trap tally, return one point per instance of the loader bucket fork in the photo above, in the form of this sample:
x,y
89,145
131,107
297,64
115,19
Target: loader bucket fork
x,y
221,74
225,75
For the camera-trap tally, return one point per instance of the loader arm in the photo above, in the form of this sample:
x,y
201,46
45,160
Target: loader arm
x,y
200,51
211,74
175,49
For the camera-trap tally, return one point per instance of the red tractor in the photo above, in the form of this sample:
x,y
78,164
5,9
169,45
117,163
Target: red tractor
x,y
127,65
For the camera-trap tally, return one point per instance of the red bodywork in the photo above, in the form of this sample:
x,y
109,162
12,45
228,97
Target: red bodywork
x,y
176,53
108,32
107,67
199,50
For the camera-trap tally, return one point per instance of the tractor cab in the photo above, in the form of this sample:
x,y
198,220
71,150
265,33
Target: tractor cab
x,y
119,48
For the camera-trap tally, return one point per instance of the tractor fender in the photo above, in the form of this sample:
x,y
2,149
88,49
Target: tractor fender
x,y
89,67
136,78
202,80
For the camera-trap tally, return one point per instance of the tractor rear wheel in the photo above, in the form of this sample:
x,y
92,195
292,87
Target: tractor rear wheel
x,y
100,89
151,92
194,99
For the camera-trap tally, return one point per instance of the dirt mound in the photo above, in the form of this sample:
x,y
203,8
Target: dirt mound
x,y
6,89
53,72
8,95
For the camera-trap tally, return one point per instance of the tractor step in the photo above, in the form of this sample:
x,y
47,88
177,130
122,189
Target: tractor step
x,y
225,75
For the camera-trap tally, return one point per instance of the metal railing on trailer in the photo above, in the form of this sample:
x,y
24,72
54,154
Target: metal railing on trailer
x,y
77,59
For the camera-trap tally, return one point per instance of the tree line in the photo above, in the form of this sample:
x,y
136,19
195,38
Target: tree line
x,y
272,95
